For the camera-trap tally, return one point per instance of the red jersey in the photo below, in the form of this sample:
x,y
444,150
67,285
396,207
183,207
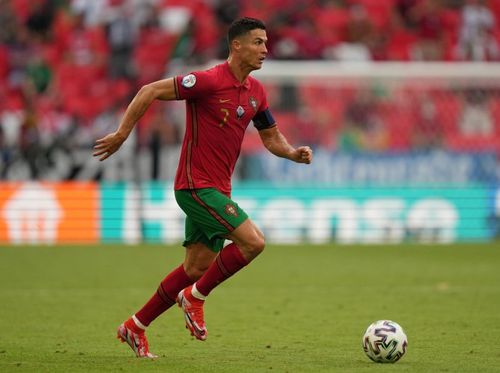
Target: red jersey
x,y
218,111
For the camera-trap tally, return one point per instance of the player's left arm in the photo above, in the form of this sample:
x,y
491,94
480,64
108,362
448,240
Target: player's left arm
x,y
276,143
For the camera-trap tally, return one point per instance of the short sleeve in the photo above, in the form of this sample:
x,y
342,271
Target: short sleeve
x,y
193,85
263,101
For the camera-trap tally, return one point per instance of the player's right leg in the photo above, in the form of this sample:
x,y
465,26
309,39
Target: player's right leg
x,y
248,243
249,239
198,258
194,317
132,330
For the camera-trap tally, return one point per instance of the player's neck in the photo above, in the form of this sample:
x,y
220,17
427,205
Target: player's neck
x,y
239,69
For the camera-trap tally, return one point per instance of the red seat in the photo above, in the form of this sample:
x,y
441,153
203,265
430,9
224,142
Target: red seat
x,y
153,50
451,19
264,9
494,5
495,112
4,62
21,8
399,47
121,89
332,23
448,109
399,125
379,11
14,101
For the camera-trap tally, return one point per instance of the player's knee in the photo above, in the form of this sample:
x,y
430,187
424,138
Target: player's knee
x,y
259,246
255,246
194,272
260,242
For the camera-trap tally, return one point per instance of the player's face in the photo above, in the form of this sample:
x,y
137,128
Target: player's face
x,y
253,49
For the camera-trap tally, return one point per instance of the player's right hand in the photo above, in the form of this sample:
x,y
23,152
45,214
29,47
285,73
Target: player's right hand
x,y
108,145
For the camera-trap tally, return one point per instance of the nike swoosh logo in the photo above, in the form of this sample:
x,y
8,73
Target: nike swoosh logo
x,y
131,340
221,100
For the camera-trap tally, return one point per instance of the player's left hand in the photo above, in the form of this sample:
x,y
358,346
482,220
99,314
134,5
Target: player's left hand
x,y
303,154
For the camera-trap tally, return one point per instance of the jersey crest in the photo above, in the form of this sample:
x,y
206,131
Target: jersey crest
x,y
231,210
253,103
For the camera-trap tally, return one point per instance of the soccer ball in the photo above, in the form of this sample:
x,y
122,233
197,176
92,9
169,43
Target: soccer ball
x,y
385,341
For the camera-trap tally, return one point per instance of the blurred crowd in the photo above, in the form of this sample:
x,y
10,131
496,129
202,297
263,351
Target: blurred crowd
x,y
68,68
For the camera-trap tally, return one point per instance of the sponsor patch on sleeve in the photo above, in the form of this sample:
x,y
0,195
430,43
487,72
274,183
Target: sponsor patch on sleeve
x,y
188,81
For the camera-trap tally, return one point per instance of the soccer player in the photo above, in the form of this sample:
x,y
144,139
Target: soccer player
x,y
220,103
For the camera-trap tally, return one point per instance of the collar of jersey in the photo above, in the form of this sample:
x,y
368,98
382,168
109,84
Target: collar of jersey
x,y
236,82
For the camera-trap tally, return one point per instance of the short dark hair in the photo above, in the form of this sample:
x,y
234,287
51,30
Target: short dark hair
x,y
243,25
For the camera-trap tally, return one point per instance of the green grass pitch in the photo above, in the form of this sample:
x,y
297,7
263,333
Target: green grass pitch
x,y
294,309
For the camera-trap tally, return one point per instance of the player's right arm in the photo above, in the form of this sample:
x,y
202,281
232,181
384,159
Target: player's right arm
x,y
160,90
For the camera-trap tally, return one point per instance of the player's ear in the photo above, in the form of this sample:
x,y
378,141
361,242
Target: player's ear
x,y
236,44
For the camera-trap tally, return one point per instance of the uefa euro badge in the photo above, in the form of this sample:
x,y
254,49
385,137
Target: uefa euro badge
x,y
188,81
240,112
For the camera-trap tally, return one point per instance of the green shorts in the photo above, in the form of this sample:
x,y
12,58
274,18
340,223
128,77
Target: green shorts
x,y
211,215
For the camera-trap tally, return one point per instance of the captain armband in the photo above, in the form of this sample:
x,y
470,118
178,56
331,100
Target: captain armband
x,y
263,120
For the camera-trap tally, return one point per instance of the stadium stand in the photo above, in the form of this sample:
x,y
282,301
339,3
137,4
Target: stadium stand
x,y
66,64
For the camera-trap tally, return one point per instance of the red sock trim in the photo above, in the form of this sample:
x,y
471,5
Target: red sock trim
x,y
164,296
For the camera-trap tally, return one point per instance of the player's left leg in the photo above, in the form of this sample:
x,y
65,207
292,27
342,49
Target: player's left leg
x,y
248,243
219,217
230,260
